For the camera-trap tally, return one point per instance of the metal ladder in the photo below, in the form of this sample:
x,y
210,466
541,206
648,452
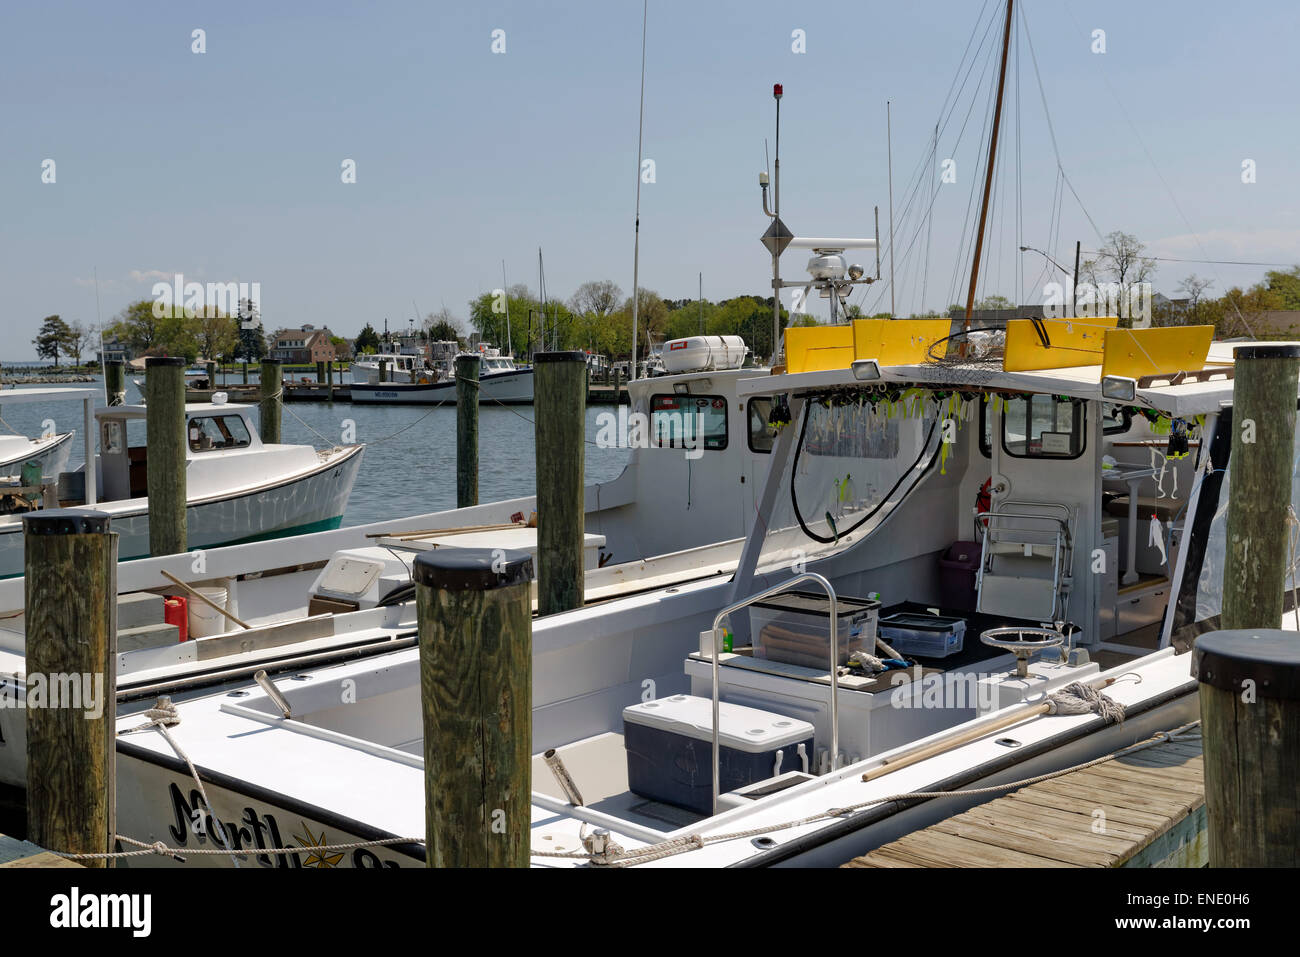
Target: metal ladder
x,y
835,667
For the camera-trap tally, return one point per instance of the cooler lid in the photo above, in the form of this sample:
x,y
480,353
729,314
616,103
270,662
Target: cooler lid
x,y
816,603
743,729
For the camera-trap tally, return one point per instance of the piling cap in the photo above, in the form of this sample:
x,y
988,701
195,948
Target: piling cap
x,y
1268,658
575,356
472,569
65,521
154,361
1271,350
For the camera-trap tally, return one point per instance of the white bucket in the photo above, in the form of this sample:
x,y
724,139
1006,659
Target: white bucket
x,y
204,620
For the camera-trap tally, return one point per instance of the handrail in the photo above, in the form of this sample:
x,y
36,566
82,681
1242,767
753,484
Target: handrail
x,y
835,667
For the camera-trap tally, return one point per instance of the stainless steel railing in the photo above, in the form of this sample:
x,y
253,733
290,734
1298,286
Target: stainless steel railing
x,y
835,667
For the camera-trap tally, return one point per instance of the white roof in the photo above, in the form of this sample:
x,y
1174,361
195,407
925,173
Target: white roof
x,y
17,396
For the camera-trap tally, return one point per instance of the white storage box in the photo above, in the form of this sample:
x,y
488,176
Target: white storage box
x,y
795,628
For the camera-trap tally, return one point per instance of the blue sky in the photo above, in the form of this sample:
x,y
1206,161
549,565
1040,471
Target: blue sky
x,y
225,166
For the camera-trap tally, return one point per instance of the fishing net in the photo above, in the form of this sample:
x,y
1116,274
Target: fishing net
x,y
971,357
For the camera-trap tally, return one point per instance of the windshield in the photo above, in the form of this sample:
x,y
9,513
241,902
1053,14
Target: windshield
x,y
854,462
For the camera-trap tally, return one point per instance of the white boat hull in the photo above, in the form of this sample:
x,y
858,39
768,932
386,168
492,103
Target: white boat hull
x,y
512,388
51,452
314,501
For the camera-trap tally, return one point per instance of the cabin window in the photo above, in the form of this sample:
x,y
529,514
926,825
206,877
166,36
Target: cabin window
x,y
1115,419
761,434
211,432
676,421
1042,426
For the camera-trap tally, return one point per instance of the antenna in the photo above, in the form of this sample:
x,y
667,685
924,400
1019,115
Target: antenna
x,y
636,244
889,147
505,292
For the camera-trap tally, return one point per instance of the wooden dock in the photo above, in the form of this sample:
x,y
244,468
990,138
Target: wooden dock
x,y
1146,809
16,853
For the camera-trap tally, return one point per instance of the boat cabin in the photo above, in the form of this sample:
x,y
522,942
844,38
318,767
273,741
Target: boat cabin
x,y
212,430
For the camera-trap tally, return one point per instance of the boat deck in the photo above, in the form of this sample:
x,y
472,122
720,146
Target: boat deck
x,y
1146,809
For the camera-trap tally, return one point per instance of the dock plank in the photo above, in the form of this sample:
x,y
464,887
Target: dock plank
x,y
1145,809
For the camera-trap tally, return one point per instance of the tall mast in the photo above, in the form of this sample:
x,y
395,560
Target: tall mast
x,y
988,174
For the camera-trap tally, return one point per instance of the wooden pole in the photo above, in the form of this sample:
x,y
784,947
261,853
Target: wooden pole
x,y
70,602
988,175
1250,726
245,372
115,382
1263,445
560,408
320,373
164,387
467,368
474,617
617,386
383,370
272,389
329,380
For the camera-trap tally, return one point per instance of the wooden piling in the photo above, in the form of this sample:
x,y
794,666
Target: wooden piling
x,y
70,604
245,370
272,389
617,376
1263,446
467,430
474,616
329,380
164,388
560,415
1250,723
115,382
320,373
383,370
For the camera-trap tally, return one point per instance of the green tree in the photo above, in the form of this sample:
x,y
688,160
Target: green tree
x,y
442,326
367,340
52,338
216,335
1286,284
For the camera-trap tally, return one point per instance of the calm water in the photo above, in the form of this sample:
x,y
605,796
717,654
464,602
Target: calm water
x,y
409,465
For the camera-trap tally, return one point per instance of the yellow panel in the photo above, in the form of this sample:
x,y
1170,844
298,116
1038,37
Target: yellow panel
x,y
898,342
815,348
1074,342
1138,352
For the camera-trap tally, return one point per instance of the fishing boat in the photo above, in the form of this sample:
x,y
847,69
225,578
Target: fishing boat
x,y
239,488
500,381
49,451
982,515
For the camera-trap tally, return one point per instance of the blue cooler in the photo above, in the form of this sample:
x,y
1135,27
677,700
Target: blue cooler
x,y
670,749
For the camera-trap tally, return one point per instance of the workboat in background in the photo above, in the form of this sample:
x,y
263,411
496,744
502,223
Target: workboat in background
x,y
238,488
50,452
500,381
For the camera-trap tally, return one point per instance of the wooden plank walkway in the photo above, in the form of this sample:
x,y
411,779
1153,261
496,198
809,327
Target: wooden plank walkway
x,y
1146,809
16,853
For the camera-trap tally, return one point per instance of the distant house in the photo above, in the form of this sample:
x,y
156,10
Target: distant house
x,y
305,345
113,348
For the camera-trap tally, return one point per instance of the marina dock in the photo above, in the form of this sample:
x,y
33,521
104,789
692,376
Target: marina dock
x,y
16,853
1146,809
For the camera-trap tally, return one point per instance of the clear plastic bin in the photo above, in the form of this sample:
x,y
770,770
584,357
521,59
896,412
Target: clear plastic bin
x,y
795,629
923,636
